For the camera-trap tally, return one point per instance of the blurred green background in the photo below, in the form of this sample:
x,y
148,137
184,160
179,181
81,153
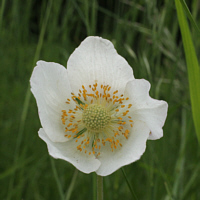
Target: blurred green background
x,y
146,33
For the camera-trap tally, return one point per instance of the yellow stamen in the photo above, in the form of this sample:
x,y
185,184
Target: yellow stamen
x,y
96,101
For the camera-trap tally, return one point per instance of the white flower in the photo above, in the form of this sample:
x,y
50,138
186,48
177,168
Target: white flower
x,y
95,114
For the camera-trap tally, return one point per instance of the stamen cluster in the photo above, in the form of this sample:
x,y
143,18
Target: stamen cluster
x,y
95,117
100,117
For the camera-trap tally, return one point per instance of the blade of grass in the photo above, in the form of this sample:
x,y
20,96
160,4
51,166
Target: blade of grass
x,y
60,189
129,185
27,98
86,11
1,13
180,163
81,14
71,186
192,66
188,13
191,181
137,26
13,168
94,17
169,197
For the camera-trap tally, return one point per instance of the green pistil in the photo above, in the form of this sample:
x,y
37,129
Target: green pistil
x,y
95,117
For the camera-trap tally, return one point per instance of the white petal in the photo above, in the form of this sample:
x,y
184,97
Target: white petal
x,y
131,150
51,88
151,111
96,60
67,151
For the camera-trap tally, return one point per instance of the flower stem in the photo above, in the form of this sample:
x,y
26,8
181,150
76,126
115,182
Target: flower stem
x,y
99,187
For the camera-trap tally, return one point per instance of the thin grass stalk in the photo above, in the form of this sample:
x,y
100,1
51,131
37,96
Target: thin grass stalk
x,y
1,13
191,182
129,185
180,163
72,184
87,21
94,17
60,189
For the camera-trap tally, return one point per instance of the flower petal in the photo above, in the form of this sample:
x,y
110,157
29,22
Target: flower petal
x,y
51,88
96,60
151,111
68,152
131,150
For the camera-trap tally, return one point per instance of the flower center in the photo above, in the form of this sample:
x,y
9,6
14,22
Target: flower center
x,y
95,117
100,118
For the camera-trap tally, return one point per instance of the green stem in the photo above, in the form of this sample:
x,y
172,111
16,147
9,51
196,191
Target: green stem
x,y
99,187
94,180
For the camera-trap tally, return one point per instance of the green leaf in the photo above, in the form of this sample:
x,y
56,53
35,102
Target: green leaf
x,y
190,17
192,67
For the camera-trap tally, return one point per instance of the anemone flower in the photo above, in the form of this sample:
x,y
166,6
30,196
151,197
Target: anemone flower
x,y
95,114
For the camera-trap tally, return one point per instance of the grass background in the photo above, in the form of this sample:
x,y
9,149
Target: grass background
x,y
147,34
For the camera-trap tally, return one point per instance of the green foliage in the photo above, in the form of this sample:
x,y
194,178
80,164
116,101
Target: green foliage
x,y
147,34
192,66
